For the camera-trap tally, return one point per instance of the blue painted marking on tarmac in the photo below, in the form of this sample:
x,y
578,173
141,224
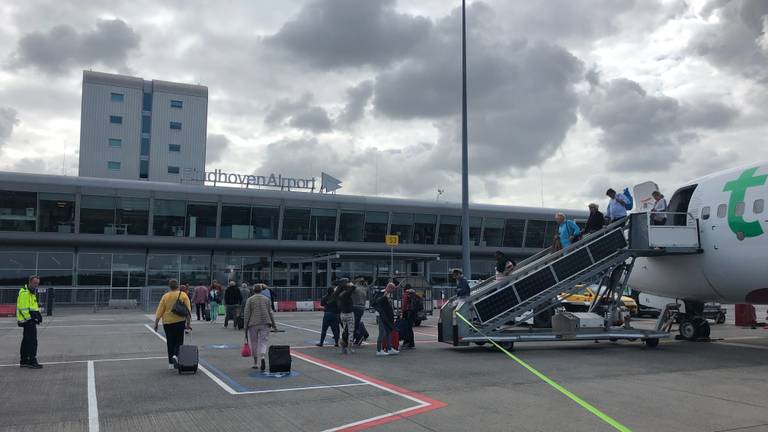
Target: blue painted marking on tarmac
x,y
232,383
224,346
267,375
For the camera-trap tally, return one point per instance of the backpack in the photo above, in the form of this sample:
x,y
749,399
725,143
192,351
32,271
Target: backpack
x,y
417,304
629,201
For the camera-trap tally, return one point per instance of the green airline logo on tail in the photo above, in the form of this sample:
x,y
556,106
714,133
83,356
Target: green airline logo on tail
x,y
738,189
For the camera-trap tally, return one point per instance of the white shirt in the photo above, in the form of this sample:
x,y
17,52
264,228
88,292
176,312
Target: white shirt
x,y
660,207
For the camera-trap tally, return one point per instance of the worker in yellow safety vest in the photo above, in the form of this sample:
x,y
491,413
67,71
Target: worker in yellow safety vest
x,y
28,316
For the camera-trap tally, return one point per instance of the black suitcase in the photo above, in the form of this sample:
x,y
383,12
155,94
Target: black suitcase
x,y
207,314
279,359
239,323
187,359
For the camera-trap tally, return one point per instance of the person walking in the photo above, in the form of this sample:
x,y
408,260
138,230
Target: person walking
x,y
659,210
617,206
382,303
567,230
266,292
408,318
347,315
504,265
175,310
330,317
596,220
214,299
359,296
462,286
200,298
245,293
28,317
232,300
258,320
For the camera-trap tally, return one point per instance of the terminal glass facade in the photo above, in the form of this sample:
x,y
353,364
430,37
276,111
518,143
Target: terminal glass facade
x,y
57,213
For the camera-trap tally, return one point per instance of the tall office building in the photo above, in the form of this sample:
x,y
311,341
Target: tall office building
x,y
135,129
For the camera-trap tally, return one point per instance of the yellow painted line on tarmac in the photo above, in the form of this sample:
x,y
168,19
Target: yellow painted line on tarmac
x,y
584,404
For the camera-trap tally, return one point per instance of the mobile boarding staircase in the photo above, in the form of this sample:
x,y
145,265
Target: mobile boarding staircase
x,y
500,310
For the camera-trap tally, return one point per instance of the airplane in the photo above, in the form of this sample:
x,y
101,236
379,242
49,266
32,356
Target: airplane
x,y
733,225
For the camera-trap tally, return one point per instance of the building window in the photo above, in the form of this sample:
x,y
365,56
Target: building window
x,y
449,232
116,119
322,224
758,206
402,226
146,124
18,211
475,228
174,147
113,166
176,104
513,232
144,169
739,210
97,214
264,221
116,97
376,226
145,146
705,213
115,142
169,218
173,170
351,226
493,233
424,229
534,236
132,216
176,125
201,219
147,102
296,224
57,213
236,222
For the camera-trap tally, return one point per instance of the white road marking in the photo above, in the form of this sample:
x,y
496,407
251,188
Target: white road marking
x,y
303,388
299,328
93,408
743,345
45,327
94,360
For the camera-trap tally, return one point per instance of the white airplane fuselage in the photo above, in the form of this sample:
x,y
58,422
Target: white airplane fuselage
x,y
732,214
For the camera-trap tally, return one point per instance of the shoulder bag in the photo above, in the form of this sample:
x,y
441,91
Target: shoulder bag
x,y
179,308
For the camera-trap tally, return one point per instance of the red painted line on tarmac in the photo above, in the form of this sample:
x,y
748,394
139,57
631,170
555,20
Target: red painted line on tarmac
x,y
426,403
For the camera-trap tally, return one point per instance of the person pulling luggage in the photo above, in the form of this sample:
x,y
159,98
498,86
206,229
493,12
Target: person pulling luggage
x,y
258,320
175,310
232,300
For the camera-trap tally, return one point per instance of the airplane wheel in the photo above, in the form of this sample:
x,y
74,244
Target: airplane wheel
x,y
509,346
721,319
688,330
479,343
652,342
702,327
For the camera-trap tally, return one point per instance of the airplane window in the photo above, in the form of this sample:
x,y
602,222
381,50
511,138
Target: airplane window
x,y
739,209
758,206
721,209
705,213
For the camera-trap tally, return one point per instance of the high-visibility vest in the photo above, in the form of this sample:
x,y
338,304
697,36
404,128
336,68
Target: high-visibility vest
x,y
25,303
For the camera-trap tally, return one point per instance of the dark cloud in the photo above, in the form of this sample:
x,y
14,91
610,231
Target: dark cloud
x,y
736,41
647,132
521,98
299,114
216,147
63,48
8,121
350,33
357,99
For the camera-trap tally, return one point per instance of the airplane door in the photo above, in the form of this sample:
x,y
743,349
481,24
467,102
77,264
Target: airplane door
x,y
642,194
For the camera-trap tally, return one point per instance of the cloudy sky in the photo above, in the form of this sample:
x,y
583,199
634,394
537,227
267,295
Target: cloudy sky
x,y
567,97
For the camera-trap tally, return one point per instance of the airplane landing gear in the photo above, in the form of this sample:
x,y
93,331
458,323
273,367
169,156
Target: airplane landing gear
x,y
693,325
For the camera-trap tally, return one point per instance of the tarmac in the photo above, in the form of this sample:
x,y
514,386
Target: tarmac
x,y
107,371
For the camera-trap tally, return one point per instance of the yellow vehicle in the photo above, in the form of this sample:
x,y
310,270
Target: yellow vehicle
x,y
582,299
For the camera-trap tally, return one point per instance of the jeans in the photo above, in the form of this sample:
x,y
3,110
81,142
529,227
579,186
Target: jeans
x,y
383,340
174,338
360,332
28,350
200,309
214,310
258,339
231,314
331,320
348,323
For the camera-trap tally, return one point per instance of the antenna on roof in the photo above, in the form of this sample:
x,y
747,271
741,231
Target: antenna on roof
x,y
439,192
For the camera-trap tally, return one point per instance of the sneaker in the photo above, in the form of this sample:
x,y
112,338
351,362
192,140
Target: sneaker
x,y
336,344
319,345
35,365
394,352
382,353
263,365
24,364
171,366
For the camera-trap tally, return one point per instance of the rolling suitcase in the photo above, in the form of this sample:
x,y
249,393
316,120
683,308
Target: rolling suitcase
x,y
207,313
187,359
394,339
279,359
239,323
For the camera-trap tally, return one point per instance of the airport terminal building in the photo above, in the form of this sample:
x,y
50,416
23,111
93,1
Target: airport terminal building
x,y
97,240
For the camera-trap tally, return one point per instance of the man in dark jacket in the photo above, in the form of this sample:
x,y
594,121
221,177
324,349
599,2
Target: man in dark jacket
x,y
409,316
347,314
462,286
382,303
330,317
596,219
232,300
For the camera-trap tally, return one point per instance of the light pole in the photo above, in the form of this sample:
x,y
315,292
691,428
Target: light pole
x,y
466,263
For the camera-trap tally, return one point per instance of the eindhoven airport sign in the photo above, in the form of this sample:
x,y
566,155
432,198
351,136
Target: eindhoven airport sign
x,y
277,181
